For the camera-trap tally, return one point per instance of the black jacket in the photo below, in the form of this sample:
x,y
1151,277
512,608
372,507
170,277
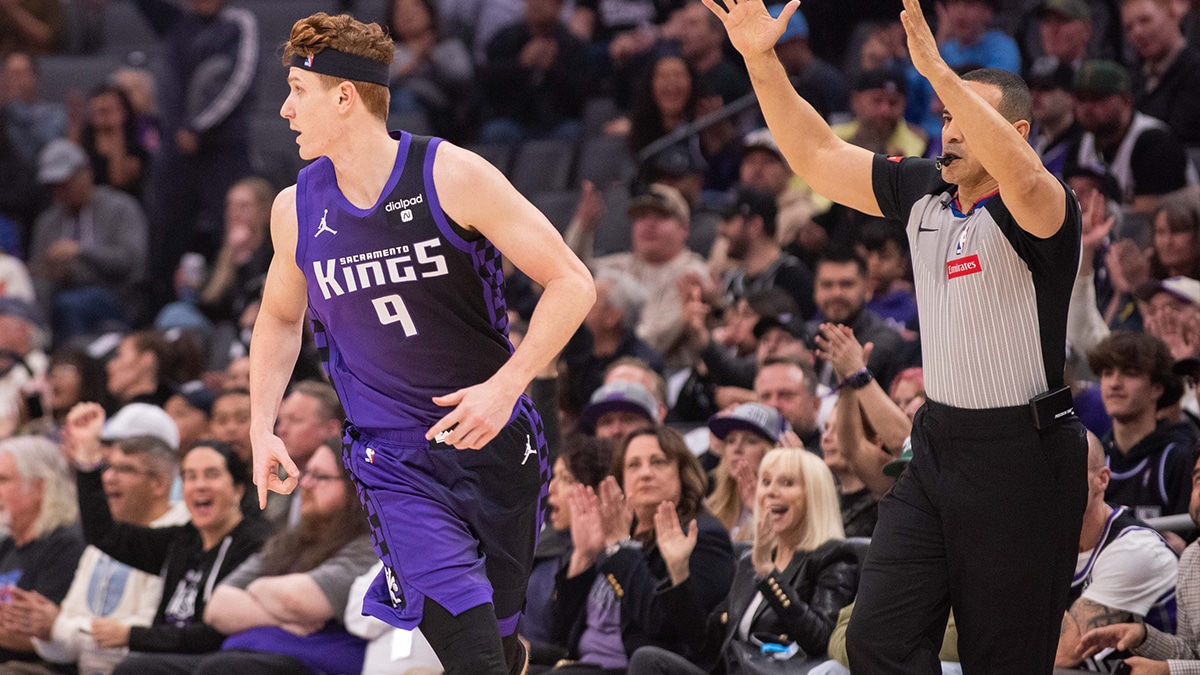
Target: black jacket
x,y
169,552
1154,477
801,603
641,582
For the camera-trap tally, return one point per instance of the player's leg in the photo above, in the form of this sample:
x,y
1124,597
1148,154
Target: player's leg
x,y
1015,511
431,557
467,643
504,501
902,605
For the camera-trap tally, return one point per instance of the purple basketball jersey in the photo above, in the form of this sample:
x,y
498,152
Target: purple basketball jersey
x,y
405,304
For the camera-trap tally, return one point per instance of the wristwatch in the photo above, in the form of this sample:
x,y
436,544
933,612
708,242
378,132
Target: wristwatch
x,y
857,380
611,549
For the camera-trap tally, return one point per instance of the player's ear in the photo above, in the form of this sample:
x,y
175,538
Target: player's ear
x,y
1022,127
346,94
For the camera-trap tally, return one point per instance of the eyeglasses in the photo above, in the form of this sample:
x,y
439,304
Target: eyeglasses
x,y
318,477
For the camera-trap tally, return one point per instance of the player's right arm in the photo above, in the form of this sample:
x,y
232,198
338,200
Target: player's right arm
x,y
833,168
274,348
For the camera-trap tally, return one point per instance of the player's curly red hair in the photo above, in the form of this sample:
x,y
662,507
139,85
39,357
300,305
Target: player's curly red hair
x,y
346,34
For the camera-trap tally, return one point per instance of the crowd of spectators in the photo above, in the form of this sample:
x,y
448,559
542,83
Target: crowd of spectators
x,y
745,383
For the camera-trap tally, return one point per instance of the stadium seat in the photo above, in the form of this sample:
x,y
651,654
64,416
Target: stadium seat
x,y
59,75
605,160
275,19
412,122
613,234
498,155
558,206
542,166
596,113
273,150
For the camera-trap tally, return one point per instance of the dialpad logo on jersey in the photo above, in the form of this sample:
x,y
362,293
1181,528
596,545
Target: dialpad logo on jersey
x,y
964,267
404,207
374,269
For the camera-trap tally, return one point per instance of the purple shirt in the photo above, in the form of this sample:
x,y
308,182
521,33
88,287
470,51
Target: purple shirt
x,y
405,304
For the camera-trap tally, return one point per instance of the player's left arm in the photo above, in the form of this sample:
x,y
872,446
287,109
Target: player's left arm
x,y
478,197
1034,197
1083,616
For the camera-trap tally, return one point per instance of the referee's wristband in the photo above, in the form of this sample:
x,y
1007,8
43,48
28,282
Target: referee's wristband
x,y
857,380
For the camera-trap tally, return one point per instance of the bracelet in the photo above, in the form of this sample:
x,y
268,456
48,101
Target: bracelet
x,y
89,467
857,380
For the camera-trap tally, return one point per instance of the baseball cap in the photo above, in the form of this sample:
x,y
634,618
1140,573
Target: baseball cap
x,y
198,396
1101,76
791,324
1075,10
755,417
676,160
747,201
660,198
797,26
761,139
141,419
893,468
619,396
1183,288
1049,73
59,160
888,79
22,309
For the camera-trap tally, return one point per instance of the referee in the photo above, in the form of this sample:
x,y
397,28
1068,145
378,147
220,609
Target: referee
x,y
986,518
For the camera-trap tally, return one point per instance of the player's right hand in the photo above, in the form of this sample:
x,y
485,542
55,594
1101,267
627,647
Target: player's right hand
x,y
269,455
1119,636
751,29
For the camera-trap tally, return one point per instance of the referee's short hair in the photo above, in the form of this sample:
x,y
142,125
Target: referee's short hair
x,y
1016,102
1134,352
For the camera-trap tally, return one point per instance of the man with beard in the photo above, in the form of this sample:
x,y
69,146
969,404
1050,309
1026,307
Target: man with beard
x,y
841,297
748,228
1147,160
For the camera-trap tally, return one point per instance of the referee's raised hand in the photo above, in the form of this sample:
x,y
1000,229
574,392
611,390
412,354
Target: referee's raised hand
x,y
751,29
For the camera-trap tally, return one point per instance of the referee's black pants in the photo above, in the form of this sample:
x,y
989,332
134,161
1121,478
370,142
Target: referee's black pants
x,y
986,519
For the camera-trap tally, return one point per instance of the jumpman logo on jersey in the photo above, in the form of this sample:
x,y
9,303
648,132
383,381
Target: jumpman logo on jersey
x,y
528,451
324,227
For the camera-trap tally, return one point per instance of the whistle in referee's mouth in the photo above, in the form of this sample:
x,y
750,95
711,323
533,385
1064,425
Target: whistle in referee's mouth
x,y
943,161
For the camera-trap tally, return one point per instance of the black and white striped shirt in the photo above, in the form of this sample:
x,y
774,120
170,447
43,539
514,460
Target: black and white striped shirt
x,y
992,298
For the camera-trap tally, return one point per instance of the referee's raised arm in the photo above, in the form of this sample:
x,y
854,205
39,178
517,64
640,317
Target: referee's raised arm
x,y
995,123
834,168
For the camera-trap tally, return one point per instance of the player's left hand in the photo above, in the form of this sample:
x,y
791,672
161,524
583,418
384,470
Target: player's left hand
x,y
480,412
922,47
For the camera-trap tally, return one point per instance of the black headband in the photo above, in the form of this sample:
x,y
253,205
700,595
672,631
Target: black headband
x,y
341,64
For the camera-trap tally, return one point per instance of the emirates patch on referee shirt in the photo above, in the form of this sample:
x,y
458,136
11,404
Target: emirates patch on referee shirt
x,y
961,268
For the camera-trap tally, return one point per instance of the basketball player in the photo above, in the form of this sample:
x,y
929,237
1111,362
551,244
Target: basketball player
x,y
986,518
392,243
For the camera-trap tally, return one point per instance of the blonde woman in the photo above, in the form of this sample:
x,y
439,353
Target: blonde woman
x,y
787,590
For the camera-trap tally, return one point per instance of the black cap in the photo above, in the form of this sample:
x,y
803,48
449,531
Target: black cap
x,y
749,202
1047,73
888,79
791,324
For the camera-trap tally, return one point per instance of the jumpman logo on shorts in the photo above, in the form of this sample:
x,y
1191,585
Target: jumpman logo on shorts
x,y
528,451
324,227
